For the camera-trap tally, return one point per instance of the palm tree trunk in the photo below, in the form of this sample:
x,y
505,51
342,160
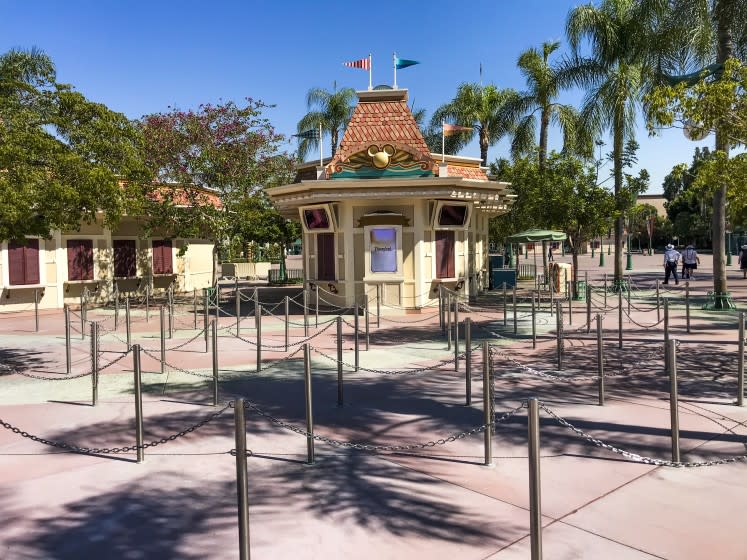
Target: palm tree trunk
x,y
724,12
617,151
484,146
544,125
333,140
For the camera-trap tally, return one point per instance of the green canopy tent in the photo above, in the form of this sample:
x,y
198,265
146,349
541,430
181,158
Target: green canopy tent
x,y
534,236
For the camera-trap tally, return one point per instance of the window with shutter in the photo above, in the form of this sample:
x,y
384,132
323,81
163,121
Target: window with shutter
x,y
444,254
23,262
325,255
162,261
125,258
80,259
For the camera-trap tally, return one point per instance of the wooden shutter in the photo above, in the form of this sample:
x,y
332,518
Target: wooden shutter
x,y
162,261
444,254
80,259
23,262
125,263
325,255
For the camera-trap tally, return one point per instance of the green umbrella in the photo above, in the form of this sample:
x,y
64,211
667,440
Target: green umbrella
x,y
534,235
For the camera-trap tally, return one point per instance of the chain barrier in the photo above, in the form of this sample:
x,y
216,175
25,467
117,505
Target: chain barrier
x,y
111,450
635,456
370,447
282,346
656,324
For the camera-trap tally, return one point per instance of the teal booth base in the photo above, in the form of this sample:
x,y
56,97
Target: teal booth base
x,y
507,275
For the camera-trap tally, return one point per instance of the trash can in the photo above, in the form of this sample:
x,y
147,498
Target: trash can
x,y
495,263
580,290
507,275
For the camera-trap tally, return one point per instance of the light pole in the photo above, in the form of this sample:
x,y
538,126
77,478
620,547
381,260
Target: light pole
x,y
728,250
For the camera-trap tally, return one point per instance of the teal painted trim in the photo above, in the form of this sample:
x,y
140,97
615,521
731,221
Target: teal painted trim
x,y
373,173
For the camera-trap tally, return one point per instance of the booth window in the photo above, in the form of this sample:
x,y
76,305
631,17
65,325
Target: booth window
x,y
316,219
325,256
452,215
162,262
125,265
383,248
445,254
23,262
80,259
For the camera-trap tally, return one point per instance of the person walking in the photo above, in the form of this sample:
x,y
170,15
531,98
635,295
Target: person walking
x,y
671,258
549,254
690,262
743,260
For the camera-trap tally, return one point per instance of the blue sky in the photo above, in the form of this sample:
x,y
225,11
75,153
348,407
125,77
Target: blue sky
x,y
141,57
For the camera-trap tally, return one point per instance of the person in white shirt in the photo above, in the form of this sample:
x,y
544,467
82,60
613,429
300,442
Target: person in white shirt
x,y
671,258
690,262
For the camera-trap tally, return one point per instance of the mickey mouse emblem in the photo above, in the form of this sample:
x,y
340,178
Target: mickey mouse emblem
x,y
380,159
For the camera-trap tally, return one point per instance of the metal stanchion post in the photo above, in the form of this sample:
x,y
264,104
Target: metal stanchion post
x,y
505,309
339,361
94,363
487,394
309,413
535,486
456,334
137,374
36,310
82,315
256,304
588,309
356,337
287,322
128,324
316,308
171,318
305,312
671,349
242,478
147,303
600,360
740,362
620,317
534,323
559,333
378,305
551,285
367,321
214,336
206,317
658,303
448,321
516,328
627,291
666,319
605,290
570,303
468,359
68,360
116,306
238,308
258,326
687,306
441,322
162,323
194,308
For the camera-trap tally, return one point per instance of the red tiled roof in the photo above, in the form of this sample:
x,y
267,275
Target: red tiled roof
x,y
475,173
379,119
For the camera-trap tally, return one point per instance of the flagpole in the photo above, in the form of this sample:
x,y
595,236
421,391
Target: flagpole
x,y
370,70
443,142
394,63
321,146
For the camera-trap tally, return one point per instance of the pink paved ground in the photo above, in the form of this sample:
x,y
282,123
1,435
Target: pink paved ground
x,y
434,503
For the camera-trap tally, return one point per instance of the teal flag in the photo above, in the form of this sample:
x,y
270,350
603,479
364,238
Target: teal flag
x,y
400,63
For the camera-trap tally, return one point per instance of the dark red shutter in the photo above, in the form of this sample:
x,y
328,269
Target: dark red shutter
x,y
162,261
125,255
31,261
325,254
444,254
80,259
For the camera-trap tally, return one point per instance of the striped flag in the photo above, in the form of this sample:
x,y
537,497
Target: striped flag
x,y
451,129
363,64
308,134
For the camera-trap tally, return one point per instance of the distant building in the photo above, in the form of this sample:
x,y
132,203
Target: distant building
x,y
657,201
386,215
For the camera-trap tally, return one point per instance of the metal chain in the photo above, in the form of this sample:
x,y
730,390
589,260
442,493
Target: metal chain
x,y
112,450
282,346
371,447
635,456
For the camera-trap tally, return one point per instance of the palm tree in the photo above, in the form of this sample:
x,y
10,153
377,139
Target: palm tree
x,y
544,82
482,107
615,76
333,109
699,32
26,66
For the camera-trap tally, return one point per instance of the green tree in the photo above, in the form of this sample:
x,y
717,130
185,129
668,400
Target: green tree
x,y
615,75
706,33
333,110
544,83
63,158
227,152
484,108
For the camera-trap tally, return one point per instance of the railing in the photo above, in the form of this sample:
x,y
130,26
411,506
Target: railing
x,y
292,275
